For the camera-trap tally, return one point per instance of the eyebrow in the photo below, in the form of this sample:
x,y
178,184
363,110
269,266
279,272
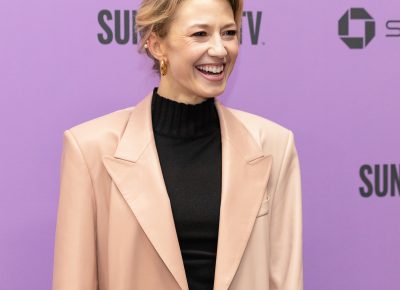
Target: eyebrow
x,y
205,25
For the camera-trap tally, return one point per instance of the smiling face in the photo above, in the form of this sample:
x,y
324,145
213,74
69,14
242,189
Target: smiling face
x,y
200,48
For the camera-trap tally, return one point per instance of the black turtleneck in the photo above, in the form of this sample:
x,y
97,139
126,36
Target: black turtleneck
x,y
188,142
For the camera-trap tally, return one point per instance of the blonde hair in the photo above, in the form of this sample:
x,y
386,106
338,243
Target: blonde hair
x,y
156,15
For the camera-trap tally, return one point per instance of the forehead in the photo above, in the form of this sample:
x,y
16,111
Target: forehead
x,y
206,12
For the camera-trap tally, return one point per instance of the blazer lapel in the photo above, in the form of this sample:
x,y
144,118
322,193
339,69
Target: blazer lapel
x,y
245,173
135,170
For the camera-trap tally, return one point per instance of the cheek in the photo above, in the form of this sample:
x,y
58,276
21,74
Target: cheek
x,y
233,53
185,59
233,50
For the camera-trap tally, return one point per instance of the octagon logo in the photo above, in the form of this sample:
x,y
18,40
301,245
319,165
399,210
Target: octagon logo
x,y
369,28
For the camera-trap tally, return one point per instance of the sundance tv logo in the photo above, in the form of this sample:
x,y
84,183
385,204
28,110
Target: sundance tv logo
x,y
380,180
118,27
360,14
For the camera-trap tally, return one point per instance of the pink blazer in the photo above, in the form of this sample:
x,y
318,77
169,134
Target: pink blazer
x,y
115,229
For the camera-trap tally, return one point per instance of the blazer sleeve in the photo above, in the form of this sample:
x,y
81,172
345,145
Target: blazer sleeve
x,y
286,262
75,264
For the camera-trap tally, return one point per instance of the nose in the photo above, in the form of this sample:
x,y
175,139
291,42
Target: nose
x,y
217,48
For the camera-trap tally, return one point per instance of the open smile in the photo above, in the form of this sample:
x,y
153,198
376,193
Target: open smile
x,y
212,72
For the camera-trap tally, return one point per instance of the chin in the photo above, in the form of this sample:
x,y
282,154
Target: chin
x,y
212,91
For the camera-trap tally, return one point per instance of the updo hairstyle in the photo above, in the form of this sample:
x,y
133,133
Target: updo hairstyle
x,y
156,15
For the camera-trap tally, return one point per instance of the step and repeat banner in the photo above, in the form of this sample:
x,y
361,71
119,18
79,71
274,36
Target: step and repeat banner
x,y
328,70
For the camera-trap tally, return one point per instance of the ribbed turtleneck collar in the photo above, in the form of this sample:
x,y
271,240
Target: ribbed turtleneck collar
x,y
179,120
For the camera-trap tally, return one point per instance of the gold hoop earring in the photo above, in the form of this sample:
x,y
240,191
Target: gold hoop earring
x,y
163,67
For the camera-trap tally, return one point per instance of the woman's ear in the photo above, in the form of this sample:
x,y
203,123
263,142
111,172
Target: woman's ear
x,y
155,46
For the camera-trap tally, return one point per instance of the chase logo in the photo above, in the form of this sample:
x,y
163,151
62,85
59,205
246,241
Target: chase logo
x,y
356,42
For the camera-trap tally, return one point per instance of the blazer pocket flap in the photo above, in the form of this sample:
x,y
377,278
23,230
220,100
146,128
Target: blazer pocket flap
x,y
264,208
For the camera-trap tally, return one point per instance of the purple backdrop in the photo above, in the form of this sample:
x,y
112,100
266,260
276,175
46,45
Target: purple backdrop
x,y
341,103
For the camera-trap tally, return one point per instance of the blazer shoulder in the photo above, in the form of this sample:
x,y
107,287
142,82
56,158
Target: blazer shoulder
x,y
273,138
261,128
103,131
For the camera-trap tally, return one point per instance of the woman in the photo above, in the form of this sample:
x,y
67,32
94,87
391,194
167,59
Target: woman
x,y
181,192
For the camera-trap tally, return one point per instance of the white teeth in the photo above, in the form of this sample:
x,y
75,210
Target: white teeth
x,y
214,69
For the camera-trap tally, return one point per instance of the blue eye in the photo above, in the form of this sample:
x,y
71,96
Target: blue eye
x,y
231,32
200,33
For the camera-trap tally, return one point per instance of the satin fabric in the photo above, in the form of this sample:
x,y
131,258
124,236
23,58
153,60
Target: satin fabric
x,y
115,229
